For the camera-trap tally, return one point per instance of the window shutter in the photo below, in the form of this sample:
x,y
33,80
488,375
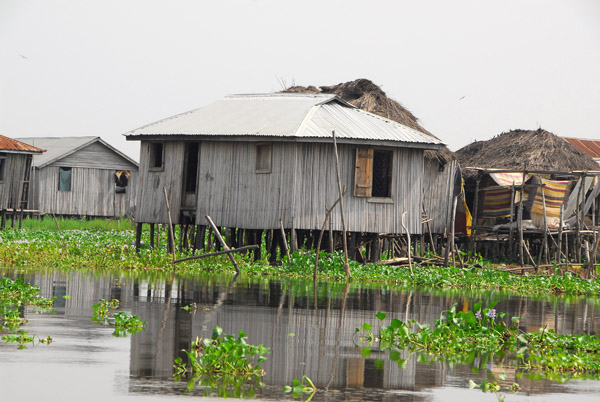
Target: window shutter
x,y
363,172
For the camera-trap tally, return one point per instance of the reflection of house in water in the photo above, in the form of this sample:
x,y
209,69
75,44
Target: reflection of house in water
x,y
324,345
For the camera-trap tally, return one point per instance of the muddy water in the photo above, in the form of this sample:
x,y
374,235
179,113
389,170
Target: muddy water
x,y
310,330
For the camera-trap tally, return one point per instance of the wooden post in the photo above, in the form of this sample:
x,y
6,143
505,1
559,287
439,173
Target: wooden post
x,y
138,237
225,246
592,261
339,181
284,240
171,234
408,240
3,220
560,233
454,202
293,237
512,214
520,217
544,245
152,235
474,217
21,218
579,211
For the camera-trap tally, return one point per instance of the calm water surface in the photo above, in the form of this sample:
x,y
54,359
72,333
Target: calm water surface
x,y
310,330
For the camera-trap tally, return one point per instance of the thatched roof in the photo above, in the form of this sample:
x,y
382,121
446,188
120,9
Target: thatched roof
x,y
365,95
537,149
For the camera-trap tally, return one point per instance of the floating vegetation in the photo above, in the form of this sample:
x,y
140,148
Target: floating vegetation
x,y
483,335
299,388
14,296
115,250
223,364
124,323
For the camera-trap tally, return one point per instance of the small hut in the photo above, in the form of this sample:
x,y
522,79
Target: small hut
x,y
15,170
82,176
529,180
441,168
266,161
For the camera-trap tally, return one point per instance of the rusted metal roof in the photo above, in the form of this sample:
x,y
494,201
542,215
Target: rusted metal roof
x,y
301,117
589,146
12,145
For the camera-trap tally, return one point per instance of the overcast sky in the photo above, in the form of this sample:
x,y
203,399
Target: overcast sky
x,y
469,70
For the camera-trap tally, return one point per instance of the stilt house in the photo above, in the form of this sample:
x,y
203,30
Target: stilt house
x,y
82,176
531,183
260,161
15,169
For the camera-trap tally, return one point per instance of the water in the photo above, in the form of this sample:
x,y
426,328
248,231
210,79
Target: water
x,y
309,329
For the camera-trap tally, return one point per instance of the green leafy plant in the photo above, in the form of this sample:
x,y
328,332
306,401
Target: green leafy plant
x,y
124,323
483,334
299,388
223,362
15,294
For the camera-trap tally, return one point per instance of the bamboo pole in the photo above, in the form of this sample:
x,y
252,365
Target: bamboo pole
x,y
171,234
474,217
225,246
520,216
590,264
339,182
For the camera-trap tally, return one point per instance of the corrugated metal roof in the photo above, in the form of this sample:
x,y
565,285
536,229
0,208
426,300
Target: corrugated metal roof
x,y
590,147
285,115
13,145
60,147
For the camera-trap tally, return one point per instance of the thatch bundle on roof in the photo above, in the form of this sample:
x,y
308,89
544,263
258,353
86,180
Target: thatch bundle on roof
x,y
365,95
536,149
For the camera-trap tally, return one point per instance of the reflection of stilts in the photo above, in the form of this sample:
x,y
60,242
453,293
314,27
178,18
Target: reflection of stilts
x,y
165,318
338,335
222,297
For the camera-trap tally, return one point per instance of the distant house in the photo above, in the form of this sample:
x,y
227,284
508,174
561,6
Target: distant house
x,y
590,147
249,161
82,176
15,169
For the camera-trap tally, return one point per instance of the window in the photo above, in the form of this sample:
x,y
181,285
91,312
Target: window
x,y
121,181
263,158
64,179
2,166
157,156
373,173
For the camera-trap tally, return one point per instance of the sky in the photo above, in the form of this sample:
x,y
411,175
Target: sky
x,y
468,69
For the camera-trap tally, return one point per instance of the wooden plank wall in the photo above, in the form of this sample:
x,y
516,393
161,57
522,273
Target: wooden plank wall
x,y
12,185
98,156
150,201
437,195
301,182
317,186
92,193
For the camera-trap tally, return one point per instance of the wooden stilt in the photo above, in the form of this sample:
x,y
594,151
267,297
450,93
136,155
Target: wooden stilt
x,y
152,235
138,237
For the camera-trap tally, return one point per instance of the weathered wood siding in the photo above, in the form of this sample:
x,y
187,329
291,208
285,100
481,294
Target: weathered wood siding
x,y
301,182
92,193
11,187
98,156
234,195
150,200
437,195
316,187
